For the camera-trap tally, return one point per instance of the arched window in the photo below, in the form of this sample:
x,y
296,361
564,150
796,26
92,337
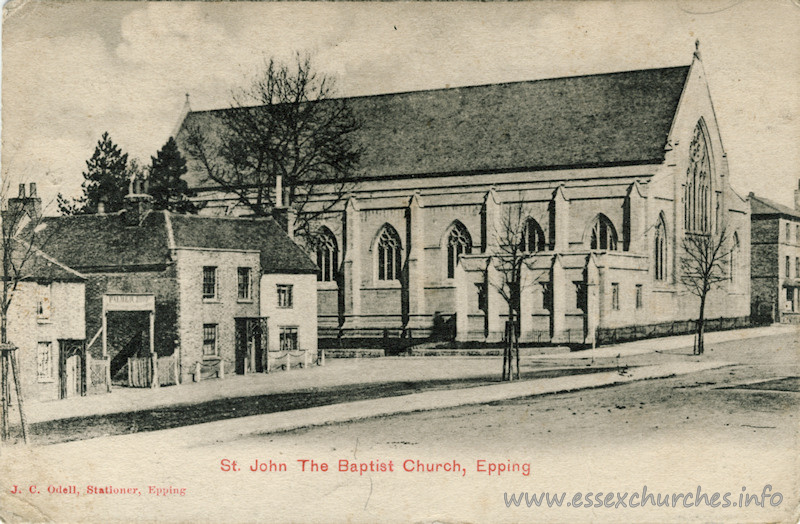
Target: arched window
x,y
604,236
660,251
697,194
389,254
327,255
458,243
735,259
532,237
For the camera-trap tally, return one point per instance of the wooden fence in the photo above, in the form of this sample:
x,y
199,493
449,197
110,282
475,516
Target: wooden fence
x,y
98,375
142,370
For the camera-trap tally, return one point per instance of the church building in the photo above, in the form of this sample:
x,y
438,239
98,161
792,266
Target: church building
x,y
597,178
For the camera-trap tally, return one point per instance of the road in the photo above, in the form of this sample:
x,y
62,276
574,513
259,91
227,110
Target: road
x,y
722,430
706,403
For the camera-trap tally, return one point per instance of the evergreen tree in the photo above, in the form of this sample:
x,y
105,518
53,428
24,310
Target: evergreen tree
x,y
105,179
168,189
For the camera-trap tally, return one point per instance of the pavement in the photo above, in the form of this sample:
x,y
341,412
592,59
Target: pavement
x,y
359,371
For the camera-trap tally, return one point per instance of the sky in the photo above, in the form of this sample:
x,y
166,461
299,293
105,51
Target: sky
x,y
73,70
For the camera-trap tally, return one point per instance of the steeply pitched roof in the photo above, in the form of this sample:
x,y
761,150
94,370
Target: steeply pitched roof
x,y
38,266
765,206
596,120
279,254
96,242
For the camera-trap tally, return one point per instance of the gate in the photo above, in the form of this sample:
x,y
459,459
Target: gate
x,y
251,345
71,368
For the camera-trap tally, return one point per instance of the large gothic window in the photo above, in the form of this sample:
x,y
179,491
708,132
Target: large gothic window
x,y
327,255
458,243
604,236
697,194
660,251
389,254
532,237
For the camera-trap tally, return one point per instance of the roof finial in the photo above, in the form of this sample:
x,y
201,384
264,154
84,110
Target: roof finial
x,y
697,48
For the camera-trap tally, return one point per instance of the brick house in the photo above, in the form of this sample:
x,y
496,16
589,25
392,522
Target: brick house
x,y
188,288
46,323
775,249
609,173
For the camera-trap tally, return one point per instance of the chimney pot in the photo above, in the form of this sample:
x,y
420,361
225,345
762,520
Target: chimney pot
x,y
22,191
33,189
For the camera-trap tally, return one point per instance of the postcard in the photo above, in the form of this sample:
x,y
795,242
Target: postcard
x,y
400,262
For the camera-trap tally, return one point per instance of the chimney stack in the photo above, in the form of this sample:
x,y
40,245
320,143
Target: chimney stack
x,y
797,196
24,209
285,216
137,202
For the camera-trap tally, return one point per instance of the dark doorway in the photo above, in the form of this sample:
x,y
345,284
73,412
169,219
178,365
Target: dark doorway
x,y
251,345
128,337
71,368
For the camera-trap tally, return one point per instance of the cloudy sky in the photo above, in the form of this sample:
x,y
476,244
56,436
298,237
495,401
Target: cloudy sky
x,y
72,70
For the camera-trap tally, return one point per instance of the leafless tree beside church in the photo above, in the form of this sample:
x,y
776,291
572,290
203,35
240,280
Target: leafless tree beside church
x,y
514,242
284,140
705,265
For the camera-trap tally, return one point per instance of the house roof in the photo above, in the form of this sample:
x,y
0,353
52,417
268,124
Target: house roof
x,y
96,241
38,266
764,206
595,120
279,254
101,242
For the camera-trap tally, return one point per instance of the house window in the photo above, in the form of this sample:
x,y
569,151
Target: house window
x,y
388,256
44,362
288,338
327,255
210,340
245,283
697,193
788,233
209,282
604,236
735,259
614,296
797,234
797,266
458,243
660,252
43,302
639,296
788,268
533,237
790,298
285,295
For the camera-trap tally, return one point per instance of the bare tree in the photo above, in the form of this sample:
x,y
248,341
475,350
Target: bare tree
x,y
21,214
704,267
287,131
513,247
